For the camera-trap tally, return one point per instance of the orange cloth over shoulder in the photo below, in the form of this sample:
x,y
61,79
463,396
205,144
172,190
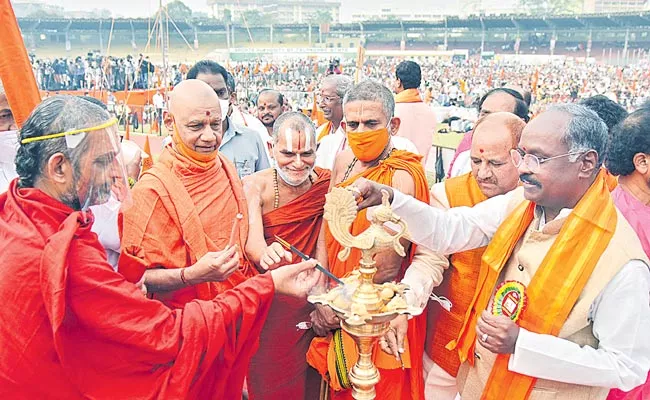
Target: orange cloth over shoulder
x,y
395,383
299,223
181,211
408,96
458,284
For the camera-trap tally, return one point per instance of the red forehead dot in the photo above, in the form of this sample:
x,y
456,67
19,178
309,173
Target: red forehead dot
x,y
207,113
525,149
481,150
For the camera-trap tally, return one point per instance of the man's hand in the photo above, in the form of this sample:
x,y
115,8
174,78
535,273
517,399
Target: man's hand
x,y
369,193
393,341
296,279
274,255
214,267
324,320
497,333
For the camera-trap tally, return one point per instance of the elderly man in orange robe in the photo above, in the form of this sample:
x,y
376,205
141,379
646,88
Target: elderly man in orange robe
x,y
184,209
286,201
369,109
80,330
493,173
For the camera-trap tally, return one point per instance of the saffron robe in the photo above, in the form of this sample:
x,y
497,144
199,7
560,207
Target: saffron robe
x,y
458,285
394,383
181,211
75,329
279,369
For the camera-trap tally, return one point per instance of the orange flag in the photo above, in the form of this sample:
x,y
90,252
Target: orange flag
x,y
147,162
15,69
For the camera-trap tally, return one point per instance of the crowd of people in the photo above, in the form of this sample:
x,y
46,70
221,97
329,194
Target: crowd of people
x,y
445,82
527,267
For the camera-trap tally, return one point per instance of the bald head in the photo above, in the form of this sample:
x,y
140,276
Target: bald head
x,y
494,136
191,93
194,110
499,127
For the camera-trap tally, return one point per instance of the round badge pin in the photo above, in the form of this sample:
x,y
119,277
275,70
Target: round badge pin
x,y
509,300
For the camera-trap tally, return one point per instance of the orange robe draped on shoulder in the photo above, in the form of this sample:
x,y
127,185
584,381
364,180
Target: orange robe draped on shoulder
x,y
279,370
394,383
81,331
458,285
181,211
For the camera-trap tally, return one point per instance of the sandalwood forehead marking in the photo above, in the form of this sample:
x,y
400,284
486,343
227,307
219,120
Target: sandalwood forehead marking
x,y
288,133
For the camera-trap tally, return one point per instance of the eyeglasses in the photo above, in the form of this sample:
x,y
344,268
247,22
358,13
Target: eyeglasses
x,y
532,162
327,99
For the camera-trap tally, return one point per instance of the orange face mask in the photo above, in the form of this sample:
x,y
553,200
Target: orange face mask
x,y
369,145
201,159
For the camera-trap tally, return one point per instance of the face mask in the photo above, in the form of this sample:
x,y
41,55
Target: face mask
x,y
369,145
201,159
224,104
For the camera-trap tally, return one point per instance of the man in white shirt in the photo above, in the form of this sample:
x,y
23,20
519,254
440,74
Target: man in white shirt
x,y
8,142
105,224
584,329
332,91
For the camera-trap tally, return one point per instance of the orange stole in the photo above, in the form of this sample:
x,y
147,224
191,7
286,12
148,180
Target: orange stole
x,y
408,96
196,210
321,352
458,285
281,344
553,290
326,131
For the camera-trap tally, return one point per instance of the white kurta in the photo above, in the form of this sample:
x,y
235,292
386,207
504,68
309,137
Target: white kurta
x,y
8,149
105,226
620,314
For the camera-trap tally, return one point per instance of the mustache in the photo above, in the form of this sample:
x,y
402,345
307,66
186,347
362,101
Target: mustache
x,y
529,179
267,115
488,180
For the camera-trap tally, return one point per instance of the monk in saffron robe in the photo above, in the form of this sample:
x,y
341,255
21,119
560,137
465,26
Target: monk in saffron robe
x,y
80,330
184,208
286,201
368,111
493,173
629,158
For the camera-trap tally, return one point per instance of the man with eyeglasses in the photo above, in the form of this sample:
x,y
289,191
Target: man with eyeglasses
x,y
561,307
239,144
330,101
8,142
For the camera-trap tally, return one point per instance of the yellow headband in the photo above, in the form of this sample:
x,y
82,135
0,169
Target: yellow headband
x,y
106,124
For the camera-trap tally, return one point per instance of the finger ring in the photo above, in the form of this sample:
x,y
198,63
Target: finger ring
x,y
484,337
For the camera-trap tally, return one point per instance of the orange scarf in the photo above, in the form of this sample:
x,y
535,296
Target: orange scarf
x,y
323,354
326,131
458,285
553,290
408,96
